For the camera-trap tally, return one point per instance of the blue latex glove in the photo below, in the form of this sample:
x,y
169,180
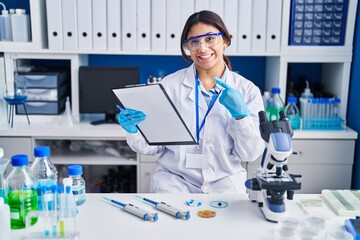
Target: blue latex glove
x,y
129,118
232,100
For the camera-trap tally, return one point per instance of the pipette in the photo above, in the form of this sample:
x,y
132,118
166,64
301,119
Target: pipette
x,y
168,209
134,210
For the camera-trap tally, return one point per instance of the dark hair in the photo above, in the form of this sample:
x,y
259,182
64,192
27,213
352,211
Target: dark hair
x,y
209,18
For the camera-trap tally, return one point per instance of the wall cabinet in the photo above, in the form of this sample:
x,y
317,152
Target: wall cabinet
x,y
317,156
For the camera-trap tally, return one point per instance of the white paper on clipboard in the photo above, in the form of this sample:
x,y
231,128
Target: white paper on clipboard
x,y
163,124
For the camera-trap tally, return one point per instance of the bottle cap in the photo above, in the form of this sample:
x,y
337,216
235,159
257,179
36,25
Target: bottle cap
x,y
4,12
292,99
19,160
75,170
42,151
275,90
307,92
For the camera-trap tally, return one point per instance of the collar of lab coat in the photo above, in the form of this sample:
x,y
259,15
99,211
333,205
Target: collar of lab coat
x,y
189,81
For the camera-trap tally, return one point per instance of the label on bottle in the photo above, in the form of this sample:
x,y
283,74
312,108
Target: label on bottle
x,y
79,194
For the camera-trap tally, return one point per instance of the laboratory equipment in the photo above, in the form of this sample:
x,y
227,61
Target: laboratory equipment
x,y
292,112
15,94
274,105
134,210
19,192
179,214
78,183
5,24
3,164
352,225
219,203
206,213
57,219
43,170
4,220
269,185
20,24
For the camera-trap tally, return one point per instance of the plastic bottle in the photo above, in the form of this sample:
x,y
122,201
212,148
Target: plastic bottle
x,y
78,183
5,26
44,171
4,220
19,193
3,164
20,25
292,113
266,96
274,105
306,105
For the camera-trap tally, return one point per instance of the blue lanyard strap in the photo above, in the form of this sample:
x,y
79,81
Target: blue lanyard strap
x,y
211,104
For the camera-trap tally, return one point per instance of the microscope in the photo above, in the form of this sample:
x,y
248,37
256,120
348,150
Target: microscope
x,y
271,183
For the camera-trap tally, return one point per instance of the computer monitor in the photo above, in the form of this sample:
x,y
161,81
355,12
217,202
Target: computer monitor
x,y
95,89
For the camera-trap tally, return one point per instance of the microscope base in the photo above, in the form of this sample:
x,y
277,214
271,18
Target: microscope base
x,y
266,208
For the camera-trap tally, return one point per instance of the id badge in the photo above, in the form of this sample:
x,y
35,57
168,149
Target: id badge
x,y
196,160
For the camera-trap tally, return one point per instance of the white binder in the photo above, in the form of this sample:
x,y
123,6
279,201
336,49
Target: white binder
x,y
54,24
128,25
259,25
202,5
69,21
230,20
244,23
273,32
187,7
143,25
217,6
158,23
99,25
84,18
173,25
114,25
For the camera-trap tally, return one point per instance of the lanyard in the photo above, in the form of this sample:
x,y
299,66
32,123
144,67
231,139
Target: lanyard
x,y
211,104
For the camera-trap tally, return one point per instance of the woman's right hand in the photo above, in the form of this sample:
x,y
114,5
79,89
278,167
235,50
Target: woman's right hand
x,y
129,118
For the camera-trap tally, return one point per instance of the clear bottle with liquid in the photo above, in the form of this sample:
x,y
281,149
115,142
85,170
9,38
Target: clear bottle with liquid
x,y
292,112
44,171
19,192
274,105
78,183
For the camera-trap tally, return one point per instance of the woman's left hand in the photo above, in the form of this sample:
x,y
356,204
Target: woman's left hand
x,y
232,100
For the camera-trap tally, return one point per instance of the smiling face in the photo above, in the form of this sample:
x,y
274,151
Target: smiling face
x,y
207,58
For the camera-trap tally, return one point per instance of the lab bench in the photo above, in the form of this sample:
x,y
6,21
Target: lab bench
x,y
241,219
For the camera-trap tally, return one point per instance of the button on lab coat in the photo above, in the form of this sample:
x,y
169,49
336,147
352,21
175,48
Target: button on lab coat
x,y
215,165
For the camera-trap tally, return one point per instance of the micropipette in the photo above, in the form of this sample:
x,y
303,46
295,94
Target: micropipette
x,y
134,210
168,209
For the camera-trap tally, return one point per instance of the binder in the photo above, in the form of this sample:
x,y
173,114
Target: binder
x,y
217,6
259,25
84,18
143,25
273,32
158,23
202,5
173,25
128,25
114,25
99,25
187,7
54,24
245,22
69,21
230,20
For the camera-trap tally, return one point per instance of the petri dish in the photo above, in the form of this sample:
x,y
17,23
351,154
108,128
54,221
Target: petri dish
x,y
219,203
316,223
206,213
339,234
308,233
284,233
289,222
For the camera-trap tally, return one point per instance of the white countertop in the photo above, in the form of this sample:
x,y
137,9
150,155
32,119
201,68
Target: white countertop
x,y
242,219
54,128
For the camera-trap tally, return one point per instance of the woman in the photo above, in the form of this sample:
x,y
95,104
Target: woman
x,y
219,107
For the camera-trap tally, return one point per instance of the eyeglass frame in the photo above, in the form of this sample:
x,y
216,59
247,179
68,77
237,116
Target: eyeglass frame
x,y
201,36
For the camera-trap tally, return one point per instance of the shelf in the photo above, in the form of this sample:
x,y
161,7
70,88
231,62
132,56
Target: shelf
x,y
90,159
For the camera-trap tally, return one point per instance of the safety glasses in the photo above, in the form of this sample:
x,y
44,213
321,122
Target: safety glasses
x,y
209,40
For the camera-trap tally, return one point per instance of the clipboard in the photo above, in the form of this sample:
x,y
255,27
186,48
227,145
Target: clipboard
x,y
163,124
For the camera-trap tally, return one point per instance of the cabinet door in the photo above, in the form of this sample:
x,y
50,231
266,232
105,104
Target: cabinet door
x,y
146,170
16,145
323,164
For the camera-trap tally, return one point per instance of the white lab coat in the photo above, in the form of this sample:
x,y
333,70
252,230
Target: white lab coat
x,y
215,165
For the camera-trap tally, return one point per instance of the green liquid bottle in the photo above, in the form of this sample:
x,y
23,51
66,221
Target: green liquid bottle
x,y
19,192
274,105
